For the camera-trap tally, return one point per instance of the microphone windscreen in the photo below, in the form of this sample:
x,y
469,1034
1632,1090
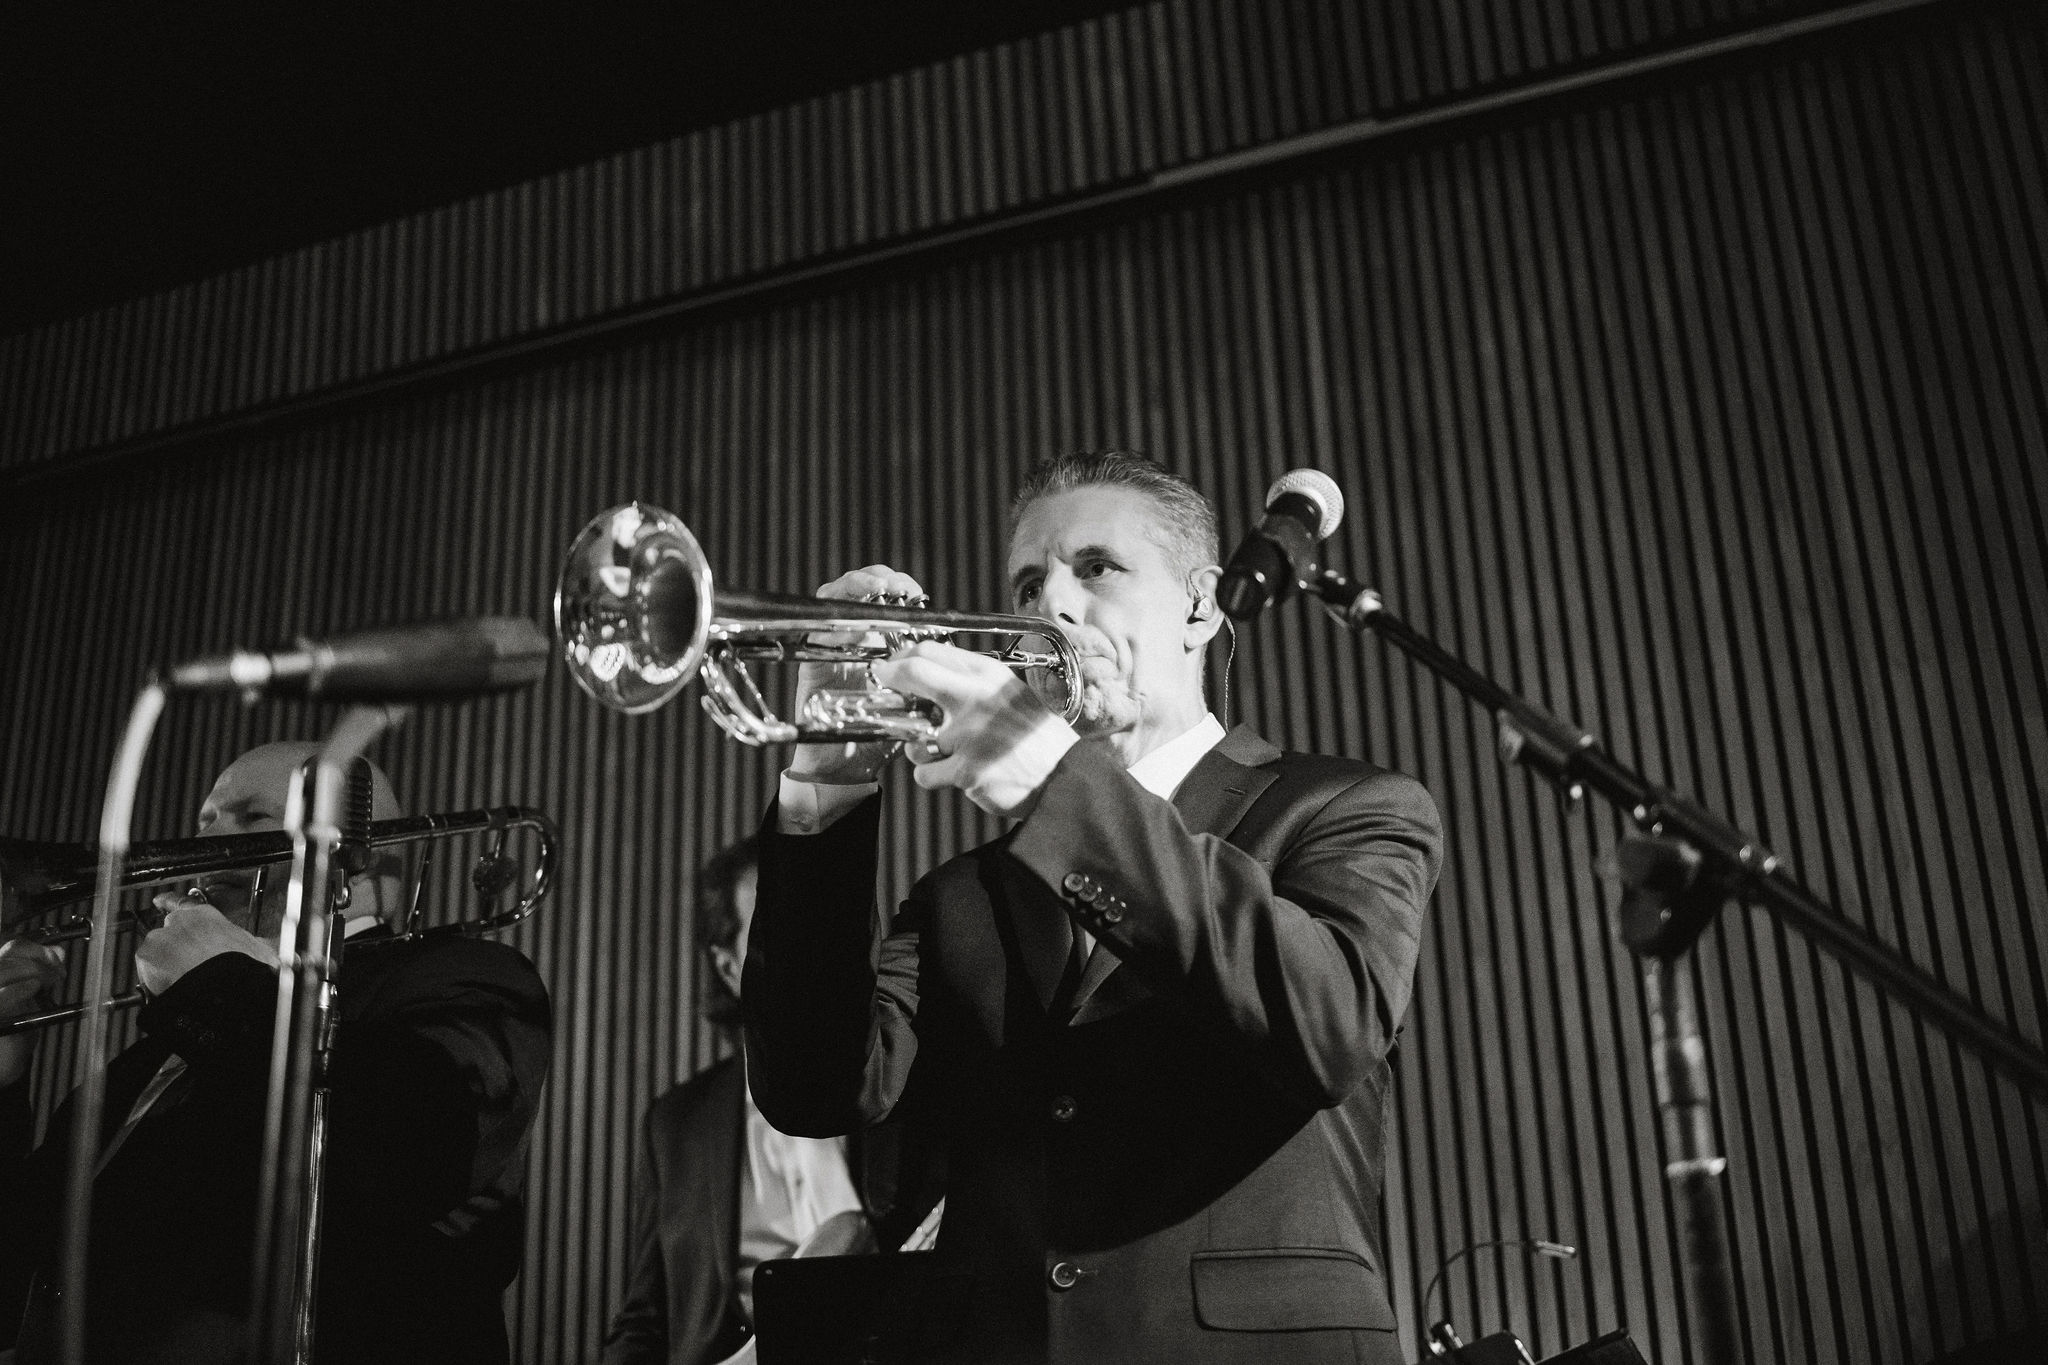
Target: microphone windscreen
x,y
434,660
1318,488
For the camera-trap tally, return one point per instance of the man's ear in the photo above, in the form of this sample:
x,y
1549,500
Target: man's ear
x,y
1205,617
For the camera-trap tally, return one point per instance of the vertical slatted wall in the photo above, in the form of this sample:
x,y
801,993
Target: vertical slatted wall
x,y
989,133
1711,416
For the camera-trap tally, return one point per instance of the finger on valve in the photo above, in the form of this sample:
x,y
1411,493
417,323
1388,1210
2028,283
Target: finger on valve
x,y
945,675
875,583
850,762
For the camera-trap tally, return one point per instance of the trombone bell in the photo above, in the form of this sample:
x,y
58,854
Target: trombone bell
x,y
36,877
637,617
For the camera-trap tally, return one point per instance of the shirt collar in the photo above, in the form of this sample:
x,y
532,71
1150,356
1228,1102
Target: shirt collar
x,y
1163,770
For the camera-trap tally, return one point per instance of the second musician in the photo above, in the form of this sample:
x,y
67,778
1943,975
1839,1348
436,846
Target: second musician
x,y
716,1191
1149,1025
441,1051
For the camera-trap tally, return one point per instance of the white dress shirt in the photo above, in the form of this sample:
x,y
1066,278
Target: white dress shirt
x,y
1163,770
790,1186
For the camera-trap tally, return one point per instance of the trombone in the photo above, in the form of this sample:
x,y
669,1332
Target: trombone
x,y
637,617
41,878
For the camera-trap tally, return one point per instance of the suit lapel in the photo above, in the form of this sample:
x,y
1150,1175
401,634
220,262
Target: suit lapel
x,y
1102,964
1211,799
1222,787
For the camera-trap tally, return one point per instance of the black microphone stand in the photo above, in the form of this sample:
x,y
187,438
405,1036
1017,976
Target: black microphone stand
x,y
1677,873
284,1282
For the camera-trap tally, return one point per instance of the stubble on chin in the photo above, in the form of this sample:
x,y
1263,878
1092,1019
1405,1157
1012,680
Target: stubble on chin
x,y
1106,710
1107,703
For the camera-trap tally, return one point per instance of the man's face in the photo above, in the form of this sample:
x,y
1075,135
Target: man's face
x,y
1094,560
249,799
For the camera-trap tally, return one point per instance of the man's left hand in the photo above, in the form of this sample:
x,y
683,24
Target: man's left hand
x,y
192,932
998,743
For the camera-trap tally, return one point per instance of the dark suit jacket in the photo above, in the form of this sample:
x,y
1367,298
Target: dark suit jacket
x,y
1179,1161
685,1207
680,1306
441,1052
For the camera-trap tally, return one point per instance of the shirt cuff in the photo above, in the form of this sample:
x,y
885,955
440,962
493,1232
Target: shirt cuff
x,y
809,807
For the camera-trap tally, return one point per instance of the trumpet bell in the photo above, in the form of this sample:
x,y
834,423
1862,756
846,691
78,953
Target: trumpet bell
x,y
629,608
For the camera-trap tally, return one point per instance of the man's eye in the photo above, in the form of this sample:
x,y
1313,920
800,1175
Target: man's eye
x,y
1096,568
1026,593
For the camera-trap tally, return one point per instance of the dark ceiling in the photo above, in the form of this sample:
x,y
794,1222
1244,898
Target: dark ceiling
x,y
145,144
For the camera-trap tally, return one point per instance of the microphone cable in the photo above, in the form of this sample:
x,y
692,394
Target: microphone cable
x,y
1536,1246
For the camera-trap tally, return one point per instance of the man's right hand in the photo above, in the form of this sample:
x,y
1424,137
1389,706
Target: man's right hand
x,y
28,972
192,932
847,763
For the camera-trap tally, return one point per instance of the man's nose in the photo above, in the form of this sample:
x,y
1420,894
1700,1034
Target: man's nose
x,y
1059,598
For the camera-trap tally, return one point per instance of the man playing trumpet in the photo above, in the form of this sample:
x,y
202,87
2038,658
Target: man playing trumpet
x,y
1151,1023
442,1048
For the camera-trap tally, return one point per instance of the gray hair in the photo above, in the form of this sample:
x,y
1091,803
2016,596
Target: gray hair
x,y
1188,518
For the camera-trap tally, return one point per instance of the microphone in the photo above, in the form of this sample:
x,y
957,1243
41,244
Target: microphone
x,y
468,656
1302,508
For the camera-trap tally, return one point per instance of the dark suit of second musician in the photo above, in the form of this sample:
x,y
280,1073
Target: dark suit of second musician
x,y
441,1053
682,1305
1180,1159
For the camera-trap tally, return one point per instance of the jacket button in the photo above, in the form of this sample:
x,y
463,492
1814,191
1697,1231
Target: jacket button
x,y
1064,1108
1113,912
1074,883
1065,1275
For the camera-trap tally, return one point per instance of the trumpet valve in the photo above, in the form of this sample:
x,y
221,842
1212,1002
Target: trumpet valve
x,y
848,713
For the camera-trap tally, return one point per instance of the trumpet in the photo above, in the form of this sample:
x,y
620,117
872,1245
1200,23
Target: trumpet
x,y
41,878
637,617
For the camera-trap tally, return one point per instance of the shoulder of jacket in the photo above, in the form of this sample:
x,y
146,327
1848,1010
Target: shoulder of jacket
x,y
699,1089
1322,770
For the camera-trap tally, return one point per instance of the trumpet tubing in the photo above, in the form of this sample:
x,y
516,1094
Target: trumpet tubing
x,y
638,617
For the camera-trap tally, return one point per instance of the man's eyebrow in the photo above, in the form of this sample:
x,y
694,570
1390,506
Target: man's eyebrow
x,y
1084,552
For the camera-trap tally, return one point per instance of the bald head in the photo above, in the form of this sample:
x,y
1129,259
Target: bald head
x,y
249,798
250,794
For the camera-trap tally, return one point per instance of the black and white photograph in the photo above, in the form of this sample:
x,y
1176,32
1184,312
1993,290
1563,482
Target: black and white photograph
x,y
1052,682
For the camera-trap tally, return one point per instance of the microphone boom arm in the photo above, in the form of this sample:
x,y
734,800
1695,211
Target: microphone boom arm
x,y
1735,863
1678,873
